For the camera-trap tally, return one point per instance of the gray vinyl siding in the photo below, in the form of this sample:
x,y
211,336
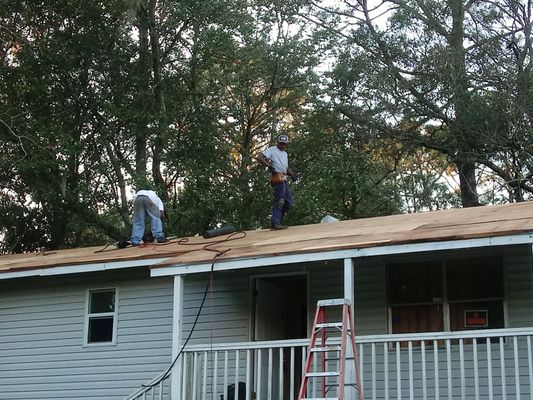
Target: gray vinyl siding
x,y
370,309
42,327
42,323
226,315
326,282
228,304
519,287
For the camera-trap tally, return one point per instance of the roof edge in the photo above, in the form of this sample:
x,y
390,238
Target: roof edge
x,y
231,264
80,268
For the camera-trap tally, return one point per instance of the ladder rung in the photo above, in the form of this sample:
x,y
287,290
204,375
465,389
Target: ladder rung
x,y
329,325
321,374
333,302
320,398
327,348
330,344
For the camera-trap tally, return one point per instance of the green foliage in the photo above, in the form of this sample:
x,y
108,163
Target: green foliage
x,y
452,63
99,98
341,173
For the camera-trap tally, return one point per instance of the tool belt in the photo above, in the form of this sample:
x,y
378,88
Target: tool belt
x,y
278,177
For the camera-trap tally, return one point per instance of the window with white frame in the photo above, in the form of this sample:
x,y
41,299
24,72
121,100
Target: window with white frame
x,y
454,295
101,319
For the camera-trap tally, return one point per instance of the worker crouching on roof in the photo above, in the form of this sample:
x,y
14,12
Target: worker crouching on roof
x,y
275,158
147,202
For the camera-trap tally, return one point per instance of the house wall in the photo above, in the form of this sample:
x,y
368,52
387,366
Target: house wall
x,y
42,355
519,287
370,309
371,286
226,316
42,321
371,319
227,311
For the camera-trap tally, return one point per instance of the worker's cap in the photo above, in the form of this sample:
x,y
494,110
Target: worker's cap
x,y
283,139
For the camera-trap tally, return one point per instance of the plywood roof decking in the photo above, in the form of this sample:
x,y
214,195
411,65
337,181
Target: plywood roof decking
x,y
81,256
478,222
468,223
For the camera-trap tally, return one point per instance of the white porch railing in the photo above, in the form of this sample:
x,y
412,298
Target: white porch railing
x,y
270,369
487,364
484,364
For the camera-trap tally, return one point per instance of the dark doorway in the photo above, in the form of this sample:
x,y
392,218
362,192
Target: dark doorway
x,y
280,307
280,313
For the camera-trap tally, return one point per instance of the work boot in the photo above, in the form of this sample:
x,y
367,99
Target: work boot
x,y
277,227
162,240
148,238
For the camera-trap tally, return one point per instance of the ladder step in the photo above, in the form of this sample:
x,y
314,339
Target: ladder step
x,y
333,302
329,325
320,398
321,374
332,344
324,349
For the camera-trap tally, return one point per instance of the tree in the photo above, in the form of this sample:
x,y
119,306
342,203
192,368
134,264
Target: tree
x,y
54,61
101,98
428,62
342,174
239,84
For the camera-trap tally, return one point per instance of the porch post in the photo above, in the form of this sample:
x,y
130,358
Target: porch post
x,y
349,281
349,294
177,317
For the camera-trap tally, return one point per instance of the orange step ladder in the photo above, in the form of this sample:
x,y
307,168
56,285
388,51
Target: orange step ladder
x,y
324,330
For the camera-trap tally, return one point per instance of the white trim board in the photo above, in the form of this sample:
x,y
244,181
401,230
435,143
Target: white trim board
x,y
226,265
81,268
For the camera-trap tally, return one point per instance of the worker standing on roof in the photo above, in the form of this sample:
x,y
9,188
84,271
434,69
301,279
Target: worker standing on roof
x,y
275,158
147,202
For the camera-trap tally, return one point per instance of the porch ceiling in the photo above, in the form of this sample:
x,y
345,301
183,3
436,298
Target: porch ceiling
x,y
437,226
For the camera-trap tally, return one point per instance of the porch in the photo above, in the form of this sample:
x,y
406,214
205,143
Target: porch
x,y
243,346
485,364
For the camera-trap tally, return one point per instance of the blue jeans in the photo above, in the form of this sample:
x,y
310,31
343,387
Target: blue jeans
x,y
280,207
142,207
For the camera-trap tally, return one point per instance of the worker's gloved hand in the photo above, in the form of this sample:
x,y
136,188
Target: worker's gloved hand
x,y
294,177
271,169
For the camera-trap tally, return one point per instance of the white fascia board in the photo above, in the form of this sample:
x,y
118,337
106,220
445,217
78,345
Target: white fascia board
x,y
81,268
225,265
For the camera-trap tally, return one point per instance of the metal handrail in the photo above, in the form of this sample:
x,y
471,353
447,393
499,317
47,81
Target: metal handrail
x,y
157,382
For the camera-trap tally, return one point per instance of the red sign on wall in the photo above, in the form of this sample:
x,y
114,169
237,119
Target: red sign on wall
x,y
476,318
